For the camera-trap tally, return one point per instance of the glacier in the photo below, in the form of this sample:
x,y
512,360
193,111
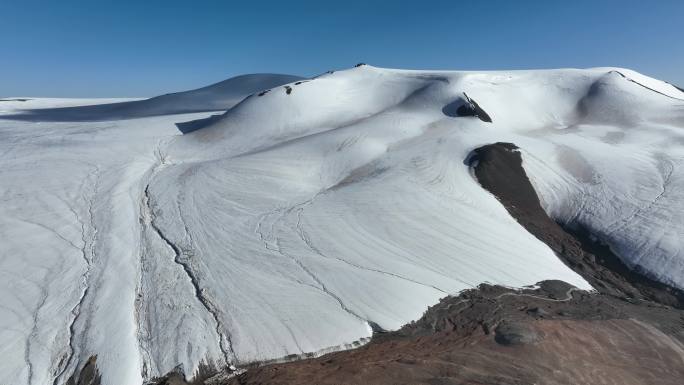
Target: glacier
x,y
304,218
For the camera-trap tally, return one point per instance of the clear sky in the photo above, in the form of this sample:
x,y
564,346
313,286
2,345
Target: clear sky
x,y
99,48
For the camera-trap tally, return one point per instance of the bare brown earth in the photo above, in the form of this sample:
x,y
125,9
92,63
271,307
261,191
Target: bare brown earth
x,y
495,335
631,331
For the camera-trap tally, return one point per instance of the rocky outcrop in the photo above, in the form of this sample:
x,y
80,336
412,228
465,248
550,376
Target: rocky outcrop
x,y
498,168
466,107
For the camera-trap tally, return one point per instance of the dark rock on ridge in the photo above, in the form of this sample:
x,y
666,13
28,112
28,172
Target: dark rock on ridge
x,y
466,107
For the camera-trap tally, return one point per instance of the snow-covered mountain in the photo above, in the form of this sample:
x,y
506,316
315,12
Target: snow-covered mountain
x,y
219,96
310,215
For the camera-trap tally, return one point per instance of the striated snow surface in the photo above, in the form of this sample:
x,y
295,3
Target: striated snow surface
x,y
301,221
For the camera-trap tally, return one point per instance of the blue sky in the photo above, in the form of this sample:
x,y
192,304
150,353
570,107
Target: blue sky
x,y
146,47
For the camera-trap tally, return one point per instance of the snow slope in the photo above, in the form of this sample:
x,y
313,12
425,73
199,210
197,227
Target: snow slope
x,y
219,96
304,218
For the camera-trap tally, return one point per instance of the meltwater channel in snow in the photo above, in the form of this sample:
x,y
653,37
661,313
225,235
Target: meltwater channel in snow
x,y
309,214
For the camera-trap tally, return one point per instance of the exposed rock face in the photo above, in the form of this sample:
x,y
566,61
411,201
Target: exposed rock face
x,y
498,168
472,105
466,107
88,375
